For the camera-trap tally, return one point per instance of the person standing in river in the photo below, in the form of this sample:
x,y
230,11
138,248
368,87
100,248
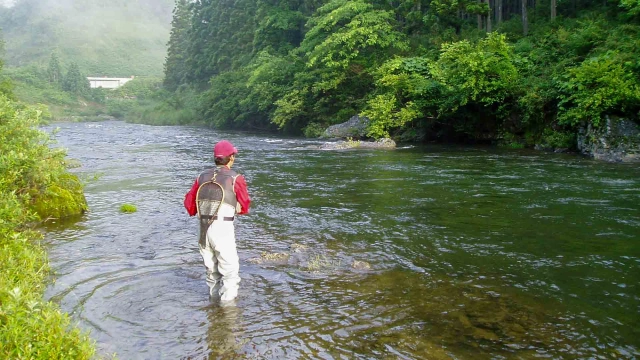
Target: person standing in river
x,y
217,233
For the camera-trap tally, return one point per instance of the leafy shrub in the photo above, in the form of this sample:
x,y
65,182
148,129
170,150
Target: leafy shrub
x,y
118,108
313,130
36,173
138,88
632,6
34,184
385,113
511,141
483,73
599,86
558,139
405,86
587,35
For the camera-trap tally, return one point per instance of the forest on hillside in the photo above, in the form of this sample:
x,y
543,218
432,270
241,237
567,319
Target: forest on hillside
x,y
523,71
51,46
105,38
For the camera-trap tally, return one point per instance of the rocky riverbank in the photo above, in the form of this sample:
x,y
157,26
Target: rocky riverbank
x,y
617,141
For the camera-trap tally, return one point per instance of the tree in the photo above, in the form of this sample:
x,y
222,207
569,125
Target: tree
x,y
633,6
174,65
6,87
280,25
451,11
488,18
221,38
484,73
346,41
525,19
74,82
347,32
53,71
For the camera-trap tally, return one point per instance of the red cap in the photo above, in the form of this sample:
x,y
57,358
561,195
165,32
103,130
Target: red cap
x,y
224,148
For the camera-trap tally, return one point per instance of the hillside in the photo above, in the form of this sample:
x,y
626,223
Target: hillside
x,y
114,38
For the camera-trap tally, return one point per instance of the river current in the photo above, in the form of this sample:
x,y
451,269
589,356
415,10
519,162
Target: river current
x,y
423,252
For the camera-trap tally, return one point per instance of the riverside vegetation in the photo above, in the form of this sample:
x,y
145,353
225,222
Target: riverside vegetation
x,y
517,72
34,186
520,73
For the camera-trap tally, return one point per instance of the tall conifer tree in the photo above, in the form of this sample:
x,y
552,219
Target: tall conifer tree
x,y
53,71
174,65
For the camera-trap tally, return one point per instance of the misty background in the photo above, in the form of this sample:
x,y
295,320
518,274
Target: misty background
x,y
104,37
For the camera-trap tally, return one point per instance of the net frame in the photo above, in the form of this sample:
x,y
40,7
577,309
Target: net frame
x,y
215,203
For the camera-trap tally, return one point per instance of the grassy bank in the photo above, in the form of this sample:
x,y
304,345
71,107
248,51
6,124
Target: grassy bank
x,y
34,185
140,100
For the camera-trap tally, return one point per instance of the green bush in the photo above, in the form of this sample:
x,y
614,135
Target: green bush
x,y
119,108
511,141
138,88
599,86
558,139
34,184
313,130
484,73
633,6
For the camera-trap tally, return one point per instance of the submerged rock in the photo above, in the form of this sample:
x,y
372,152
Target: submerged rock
x,y
296,248
455,314
356,144
361,265
267,257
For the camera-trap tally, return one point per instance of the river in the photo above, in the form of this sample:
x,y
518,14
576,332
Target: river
x,y
424,252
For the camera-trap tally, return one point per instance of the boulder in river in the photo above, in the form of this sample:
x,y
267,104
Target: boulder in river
x,y
356,127
357,144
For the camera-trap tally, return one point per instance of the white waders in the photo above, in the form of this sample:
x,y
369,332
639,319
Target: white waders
x,y
221,257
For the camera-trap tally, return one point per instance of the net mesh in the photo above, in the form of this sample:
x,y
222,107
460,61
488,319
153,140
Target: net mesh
x,y
209,198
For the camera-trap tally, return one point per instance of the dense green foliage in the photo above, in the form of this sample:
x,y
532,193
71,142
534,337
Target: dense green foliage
x,y
34,185
105,38
419,69
174,67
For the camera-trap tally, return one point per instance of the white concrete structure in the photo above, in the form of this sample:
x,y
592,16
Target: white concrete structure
x,y
107,83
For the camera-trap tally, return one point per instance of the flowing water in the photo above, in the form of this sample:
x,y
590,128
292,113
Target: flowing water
x,y
419,253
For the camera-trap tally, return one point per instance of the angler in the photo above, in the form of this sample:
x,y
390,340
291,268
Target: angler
x,y
217,196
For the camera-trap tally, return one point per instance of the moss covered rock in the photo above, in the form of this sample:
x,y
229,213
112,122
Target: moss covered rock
x,y
62,198
617,141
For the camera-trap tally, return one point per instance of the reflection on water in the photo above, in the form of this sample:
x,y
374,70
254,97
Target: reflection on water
x,y
423,252
225,337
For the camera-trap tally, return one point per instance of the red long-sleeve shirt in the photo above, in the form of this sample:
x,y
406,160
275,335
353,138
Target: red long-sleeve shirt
x,y
240,188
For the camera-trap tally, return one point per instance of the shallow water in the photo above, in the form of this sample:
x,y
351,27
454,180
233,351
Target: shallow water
x,y
470,252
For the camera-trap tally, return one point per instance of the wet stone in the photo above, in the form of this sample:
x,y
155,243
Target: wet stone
x,y
360,265
267,257
296,248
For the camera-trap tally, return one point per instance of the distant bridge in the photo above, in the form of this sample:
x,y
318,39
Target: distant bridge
x,y
107,82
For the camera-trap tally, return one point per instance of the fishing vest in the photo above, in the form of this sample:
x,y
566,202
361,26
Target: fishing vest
x,y
226,178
